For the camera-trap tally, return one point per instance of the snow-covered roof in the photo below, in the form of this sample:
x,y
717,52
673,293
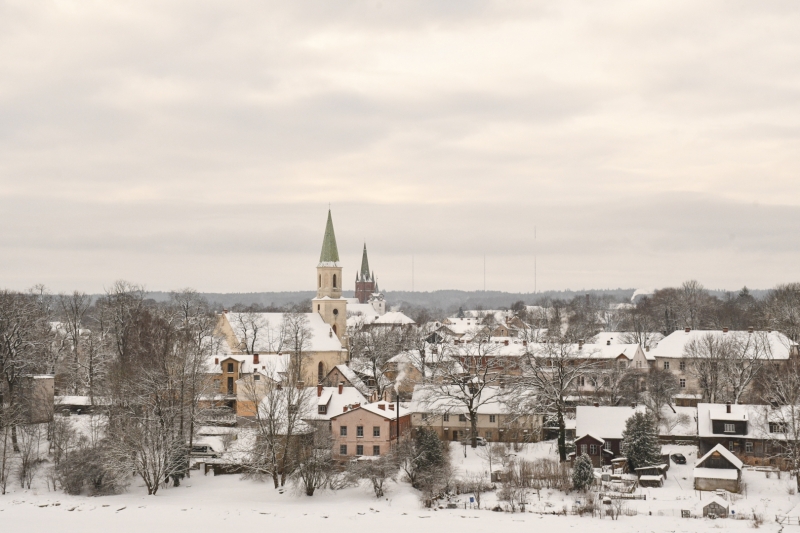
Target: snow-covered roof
x,y
706,412
776,345
445,399
394,318
722,502
270,364
624,337
270,334
722,450
608,421
354,379
334,400
595,437
386,409
669,421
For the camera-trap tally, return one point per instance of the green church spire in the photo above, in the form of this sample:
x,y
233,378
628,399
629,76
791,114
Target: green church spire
x,y
365,265
330,253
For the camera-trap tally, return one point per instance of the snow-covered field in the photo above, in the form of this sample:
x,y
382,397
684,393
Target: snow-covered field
x,y
223,503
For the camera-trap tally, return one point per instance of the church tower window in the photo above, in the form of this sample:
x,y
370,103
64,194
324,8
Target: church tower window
x,y
334,281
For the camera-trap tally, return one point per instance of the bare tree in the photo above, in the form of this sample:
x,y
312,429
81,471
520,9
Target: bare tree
x,y
550,371
371,349
251,325
73,308
782,309
707,358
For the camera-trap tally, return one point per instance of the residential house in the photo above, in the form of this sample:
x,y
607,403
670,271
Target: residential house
x,y
599,429
368,430
718,469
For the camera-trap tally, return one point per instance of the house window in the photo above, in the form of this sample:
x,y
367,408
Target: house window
x,y
730,445
424,416
777,427
593,449
492,418
682,365
256,378
343,431
359,431
359,450
230,367
730,428
343,449
682,383
462,418
638,364
623,365
376,450
583,449
217,384
446,418
607,445
748,447
606,381
322,409
376,431
666,365
488,435
581,381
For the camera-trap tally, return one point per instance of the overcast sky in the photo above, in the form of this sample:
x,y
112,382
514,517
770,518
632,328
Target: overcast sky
x,y
199,143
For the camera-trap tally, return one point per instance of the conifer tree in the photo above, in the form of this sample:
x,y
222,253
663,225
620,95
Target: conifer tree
x,y
640,441
582,473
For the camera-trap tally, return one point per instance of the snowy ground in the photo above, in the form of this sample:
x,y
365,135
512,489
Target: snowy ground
x,y
206,503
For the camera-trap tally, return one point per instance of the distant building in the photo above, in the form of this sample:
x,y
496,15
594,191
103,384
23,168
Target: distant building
x,y
718,469
368,430
366,283
36,396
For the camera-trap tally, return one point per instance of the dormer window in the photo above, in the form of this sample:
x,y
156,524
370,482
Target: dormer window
x,y
730,428
322,409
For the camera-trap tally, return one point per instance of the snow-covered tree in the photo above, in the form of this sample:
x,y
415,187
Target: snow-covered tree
x,y
582,473
640,441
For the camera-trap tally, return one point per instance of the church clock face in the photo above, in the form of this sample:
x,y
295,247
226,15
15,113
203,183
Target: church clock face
x,y
335,311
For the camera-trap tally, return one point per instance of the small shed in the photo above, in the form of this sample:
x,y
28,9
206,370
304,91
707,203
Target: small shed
x,y
718,469
716,507
651,481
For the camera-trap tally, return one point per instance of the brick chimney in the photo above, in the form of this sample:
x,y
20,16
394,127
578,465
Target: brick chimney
x,y
391,407
687,330
382,406
255,358
341,386
728,407
633,405
608,342
524,343
216,360
580,344
505,342
750,329
596,404
319,390
724,330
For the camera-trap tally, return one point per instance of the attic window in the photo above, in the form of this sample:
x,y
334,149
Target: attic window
x,y
256,377
322,409
730,428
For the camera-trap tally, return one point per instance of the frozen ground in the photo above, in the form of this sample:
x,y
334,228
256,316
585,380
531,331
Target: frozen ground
x,y
207,503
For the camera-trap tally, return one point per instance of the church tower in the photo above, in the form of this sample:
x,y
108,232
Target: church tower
x,y
329,302
365,280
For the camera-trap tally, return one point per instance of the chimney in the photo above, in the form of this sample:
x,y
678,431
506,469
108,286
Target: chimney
x,y
524,343
646,348
633,405
280,386
330,333
724,330
255,358
300,384
608,342
356,405
341,386
344,409
750,329
382,406
596,404
216,360
505,342
319,390
728,407
391,407
687,330
580,344
225,311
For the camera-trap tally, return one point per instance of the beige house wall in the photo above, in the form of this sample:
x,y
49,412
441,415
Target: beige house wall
x,y
368,420
503,428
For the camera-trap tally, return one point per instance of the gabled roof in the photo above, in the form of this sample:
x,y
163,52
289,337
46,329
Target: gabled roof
x,y
334,401
770,345
329,256
608,421
598,439
722,450
352,377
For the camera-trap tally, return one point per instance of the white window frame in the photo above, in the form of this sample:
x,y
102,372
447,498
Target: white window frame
x,y
730,428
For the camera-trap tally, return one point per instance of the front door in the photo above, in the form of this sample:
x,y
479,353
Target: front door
x,y
455,435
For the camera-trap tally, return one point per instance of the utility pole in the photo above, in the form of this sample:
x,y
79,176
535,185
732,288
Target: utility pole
x,y
412,273
484,272
534,260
